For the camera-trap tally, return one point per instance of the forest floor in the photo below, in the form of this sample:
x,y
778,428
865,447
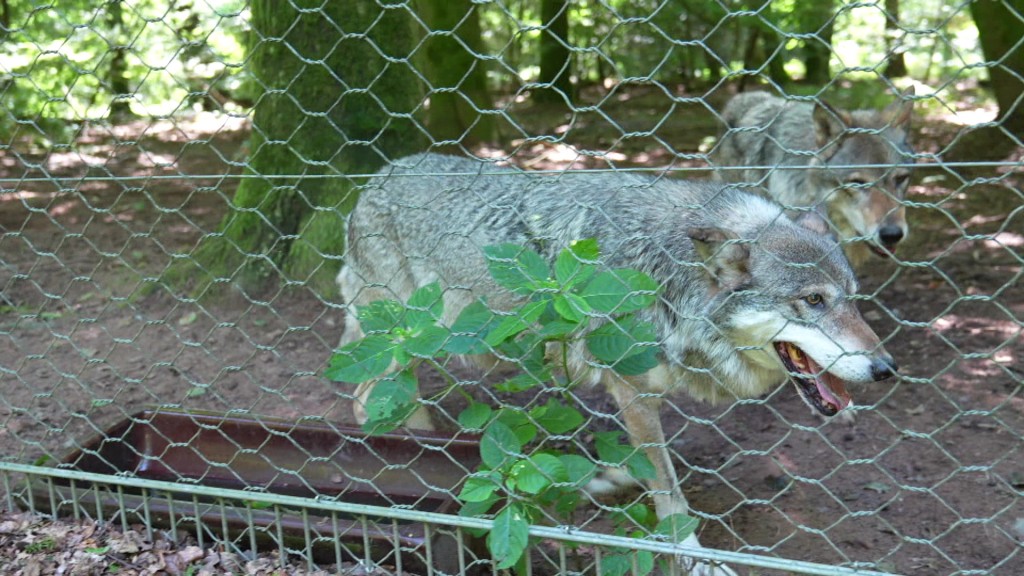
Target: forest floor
x,y
926,480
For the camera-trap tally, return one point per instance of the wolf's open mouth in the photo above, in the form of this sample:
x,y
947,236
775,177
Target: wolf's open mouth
x,y
880,250
820,389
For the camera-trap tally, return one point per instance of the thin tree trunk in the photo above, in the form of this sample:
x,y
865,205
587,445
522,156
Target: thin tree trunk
x,y
817,18
897,66
120,90
555,60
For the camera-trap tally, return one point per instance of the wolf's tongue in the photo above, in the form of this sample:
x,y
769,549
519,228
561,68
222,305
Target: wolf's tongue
x,y
832,389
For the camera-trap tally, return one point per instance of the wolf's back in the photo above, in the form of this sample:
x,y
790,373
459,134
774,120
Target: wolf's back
x,y
429,218
761,132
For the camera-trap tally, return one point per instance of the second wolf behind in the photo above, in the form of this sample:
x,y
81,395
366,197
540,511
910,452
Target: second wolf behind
x,y
853,166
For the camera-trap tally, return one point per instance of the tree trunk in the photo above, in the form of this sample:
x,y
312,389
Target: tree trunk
x,y
897,66
332,105
457,76
817,18
117,74
555,56
999,29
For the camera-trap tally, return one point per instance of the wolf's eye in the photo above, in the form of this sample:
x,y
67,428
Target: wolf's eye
x,y
857,181
814,299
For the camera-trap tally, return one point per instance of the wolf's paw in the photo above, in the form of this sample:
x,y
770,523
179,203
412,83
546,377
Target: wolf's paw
x,y
697,567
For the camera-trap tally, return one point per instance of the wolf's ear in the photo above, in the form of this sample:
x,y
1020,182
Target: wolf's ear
x,y
724,258
829,123
897,114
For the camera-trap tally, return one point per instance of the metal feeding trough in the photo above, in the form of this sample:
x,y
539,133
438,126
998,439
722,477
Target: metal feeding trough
x,y
419,471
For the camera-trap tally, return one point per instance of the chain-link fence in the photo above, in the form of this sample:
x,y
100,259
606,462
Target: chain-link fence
x,y
174,180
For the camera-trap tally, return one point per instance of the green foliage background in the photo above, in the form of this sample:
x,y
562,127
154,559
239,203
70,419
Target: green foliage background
x,y
56,59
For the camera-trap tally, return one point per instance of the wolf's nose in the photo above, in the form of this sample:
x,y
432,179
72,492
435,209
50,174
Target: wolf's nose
x,y
882,368
890,235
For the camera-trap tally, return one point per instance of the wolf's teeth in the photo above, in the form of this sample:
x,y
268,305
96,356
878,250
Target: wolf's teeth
x,y
795,354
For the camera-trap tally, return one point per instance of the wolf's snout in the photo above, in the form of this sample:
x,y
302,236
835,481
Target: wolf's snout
x,y
883,367
890,235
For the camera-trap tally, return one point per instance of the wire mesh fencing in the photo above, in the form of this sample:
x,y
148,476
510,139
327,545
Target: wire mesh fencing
x,y
177,363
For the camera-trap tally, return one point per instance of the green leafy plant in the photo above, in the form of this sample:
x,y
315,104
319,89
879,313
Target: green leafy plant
x,y
572,303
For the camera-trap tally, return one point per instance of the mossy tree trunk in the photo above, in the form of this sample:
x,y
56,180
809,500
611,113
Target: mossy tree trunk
x,y
459,98
333,105
999,30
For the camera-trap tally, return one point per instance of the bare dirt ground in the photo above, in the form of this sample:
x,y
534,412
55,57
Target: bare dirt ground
x,y
926,481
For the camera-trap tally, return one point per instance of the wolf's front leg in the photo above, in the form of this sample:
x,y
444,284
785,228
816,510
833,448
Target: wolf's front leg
x,y
419,420
641,412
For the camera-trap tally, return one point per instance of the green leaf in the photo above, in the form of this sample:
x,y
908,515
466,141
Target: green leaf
x,y
611,450
519,423
551,467
620,339
361,360
475,416
616,563
566,502
517,268
572,267
677,527
644,562
620,291
478,509
470,329
427,342
425,306
623,561
637,364
519,382
499,445
609,343
556,329
520,320
585,249
533,475
381,316
579,469
634,516
524,477
509,536
556,417
572,307
391,402
478,489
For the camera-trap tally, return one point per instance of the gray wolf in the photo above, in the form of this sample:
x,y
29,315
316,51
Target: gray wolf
x,y
748,296
851,165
